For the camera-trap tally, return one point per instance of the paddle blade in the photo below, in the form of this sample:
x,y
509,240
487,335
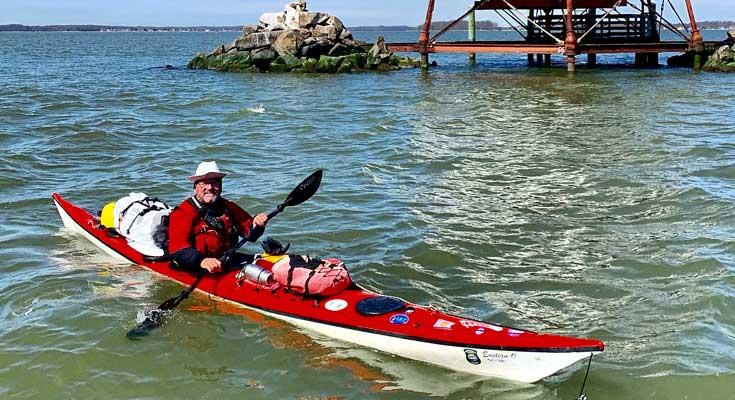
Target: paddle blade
x,y
152,321
304,190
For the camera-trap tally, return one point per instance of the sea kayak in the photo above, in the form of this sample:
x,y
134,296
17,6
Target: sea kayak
x,y
408,330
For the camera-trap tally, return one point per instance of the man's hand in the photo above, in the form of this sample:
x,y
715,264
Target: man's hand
x,y
212,265
260,219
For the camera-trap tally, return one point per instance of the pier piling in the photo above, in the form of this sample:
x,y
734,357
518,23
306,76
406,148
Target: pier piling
x,y
424,37
471,35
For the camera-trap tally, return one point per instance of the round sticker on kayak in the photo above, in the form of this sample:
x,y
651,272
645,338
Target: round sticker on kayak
x,y
399,319
335,305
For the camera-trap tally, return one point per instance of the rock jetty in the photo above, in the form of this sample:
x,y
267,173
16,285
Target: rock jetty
x,y
298,40
723,59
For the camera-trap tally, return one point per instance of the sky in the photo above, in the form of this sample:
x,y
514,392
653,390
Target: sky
x,y
243,12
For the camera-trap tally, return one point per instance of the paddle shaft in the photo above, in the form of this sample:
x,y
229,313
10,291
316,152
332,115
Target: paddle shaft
x,y
254,234
184,294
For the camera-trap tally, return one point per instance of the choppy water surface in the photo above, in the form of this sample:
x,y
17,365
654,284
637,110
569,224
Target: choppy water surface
x,y
600,205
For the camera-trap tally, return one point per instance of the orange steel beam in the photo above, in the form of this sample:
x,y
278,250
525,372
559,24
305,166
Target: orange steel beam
x,y
523,47
696,36
424,34
546,4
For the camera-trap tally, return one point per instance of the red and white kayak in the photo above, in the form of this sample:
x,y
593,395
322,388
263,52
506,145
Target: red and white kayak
x,y
412,331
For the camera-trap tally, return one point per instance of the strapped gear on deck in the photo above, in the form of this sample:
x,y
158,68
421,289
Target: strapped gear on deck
x,y
312,276
143,220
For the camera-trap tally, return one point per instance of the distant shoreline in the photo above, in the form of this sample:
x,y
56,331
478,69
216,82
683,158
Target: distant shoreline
x,y
462,26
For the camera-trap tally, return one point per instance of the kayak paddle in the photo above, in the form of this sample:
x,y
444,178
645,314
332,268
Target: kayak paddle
x,y
298,195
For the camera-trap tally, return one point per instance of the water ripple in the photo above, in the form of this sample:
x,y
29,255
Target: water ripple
x,y
590,205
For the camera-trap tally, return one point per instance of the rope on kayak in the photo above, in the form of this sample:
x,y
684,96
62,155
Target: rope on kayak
x,y
583,396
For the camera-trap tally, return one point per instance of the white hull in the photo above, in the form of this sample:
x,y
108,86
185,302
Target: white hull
x,y
520,366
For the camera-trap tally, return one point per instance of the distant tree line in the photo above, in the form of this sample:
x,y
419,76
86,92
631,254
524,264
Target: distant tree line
x,y
435,26
100,28
711,25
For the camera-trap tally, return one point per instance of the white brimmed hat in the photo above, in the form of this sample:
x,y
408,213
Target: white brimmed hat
x,y
207,170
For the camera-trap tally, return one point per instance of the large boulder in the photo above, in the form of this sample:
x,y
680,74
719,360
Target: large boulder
x,y
262,58
289,42
285,63
249,29
335,22
271,19
345,36
316,50
345,66
200,61
236,63
730,37
379,53
292,13
326,31
339,50
379,48
219,50
311,19
308,65
329,64
277,27
257,40
356,59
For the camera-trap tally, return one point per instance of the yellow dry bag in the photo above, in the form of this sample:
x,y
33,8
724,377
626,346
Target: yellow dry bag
x,y
107,218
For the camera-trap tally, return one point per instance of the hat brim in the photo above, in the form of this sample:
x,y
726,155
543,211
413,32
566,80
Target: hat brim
x,y
208,175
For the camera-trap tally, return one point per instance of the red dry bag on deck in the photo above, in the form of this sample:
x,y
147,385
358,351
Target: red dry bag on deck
x,y
311,276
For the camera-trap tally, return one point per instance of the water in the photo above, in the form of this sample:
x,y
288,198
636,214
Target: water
x,y
598,205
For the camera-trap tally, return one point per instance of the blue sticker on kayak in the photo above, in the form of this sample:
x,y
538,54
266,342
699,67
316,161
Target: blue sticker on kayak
x,y
399,319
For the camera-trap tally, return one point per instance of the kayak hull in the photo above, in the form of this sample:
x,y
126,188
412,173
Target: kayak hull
x,y
415,332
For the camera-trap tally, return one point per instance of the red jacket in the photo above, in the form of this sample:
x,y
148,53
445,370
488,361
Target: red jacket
x,y
192,238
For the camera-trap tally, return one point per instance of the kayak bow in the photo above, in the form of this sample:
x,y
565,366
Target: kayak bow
x,y
408,330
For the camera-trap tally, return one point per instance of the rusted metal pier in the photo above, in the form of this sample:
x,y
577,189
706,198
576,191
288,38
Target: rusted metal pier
x,y
569,28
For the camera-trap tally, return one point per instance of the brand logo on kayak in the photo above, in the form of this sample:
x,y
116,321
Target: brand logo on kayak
x,y
497,357
399,319
335,305
443,324
471,356
514,332
477,324
480,331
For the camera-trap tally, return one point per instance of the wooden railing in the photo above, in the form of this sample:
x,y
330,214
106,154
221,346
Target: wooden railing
x,y
633,28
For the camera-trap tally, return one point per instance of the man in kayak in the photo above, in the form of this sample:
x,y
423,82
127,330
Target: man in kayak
x,y
204,226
